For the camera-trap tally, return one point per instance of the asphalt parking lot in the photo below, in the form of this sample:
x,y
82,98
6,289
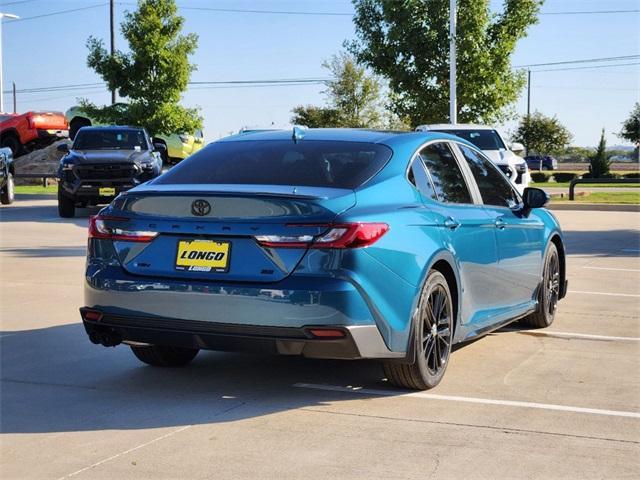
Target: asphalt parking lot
x,y
557,403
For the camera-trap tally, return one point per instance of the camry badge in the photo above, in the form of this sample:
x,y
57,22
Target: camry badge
x,y
200,208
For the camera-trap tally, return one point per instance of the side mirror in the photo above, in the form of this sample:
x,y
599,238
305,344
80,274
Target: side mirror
x,y
160,147
517,147
63,147
534,198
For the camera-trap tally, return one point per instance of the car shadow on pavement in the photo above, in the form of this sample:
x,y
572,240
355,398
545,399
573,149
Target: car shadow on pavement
x,y
43,210
45,252
610,243
55,380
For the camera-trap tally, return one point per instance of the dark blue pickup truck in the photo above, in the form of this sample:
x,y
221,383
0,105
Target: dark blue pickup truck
x,y
547,161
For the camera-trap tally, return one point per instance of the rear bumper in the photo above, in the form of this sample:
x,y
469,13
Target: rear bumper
x,y
356,342
45,134
238,316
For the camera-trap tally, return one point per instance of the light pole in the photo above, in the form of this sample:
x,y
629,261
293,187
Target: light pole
x,y
453,104
3,15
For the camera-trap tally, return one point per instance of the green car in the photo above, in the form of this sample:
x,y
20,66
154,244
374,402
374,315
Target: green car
x,y
179,145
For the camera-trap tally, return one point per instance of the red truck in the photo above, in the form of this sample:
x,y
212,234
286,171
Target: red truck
x,y
25,132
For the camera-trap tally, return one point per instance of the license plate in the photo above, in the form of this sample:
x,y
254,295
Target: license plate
x,y
203,256
107,191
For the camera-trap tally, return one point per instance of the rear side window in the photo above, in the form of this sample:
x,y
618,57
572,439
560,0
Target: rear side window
x,y
309,163
494,188
418,177
447,177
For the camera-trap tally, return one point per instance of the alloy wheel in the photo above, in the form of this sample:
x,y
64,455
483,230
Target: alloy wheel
x,y
436,333
552,283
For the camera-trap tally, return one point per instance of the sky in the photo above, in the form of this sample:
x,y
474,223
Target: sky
x,y
51,51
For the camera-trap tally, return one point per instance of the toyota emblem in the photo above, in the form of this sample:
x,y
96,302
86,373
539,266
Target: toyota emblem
x,y
200,208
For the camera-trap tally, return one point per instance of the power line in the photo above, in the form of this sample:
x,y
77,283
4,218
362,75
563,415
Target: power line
x,y
345,14
202,84
268,12
57,88
586,60
593,67
17,3
60,12
214,87
249,82
276,12
565,87
593,12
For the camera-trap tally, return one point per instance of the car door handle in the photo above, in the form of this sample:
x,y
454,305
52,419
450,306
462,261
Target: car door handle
x,y
500,223
451,223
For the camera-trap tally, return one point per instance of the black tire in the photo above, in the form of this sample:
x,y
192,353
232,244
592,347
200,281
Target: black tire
x,y
549,291
13,143
545,168
8,192
433,334
165,159
66,205
163,356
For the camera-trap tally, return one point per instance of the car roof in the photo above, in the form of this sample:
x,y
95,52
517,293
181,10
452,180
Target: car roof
x,y
113,127
329,134
453,126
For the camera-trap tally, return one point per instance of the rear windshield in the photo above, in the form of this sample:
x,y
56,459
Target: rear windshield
x,y
110,140
309,163
483,139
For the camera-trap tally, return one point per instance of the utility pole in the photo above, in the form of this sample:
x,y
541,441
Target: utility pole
x,y
453,105
15,17
113,41
528,92
14,98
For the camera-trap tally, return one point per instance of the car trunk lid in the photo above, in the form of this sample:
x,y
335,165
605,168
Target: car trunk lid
x,y
198,223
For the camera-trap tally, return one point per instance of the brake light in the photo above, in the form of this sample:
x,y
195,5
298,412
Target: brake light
x,y
345,235
98,229
36,120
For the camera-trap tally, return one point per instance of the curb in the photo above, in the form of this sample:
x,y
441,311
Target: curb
x,y
598,207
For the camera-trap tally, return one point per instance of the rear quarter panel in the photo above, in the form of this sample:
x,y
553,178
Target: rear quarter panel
x,y
390,273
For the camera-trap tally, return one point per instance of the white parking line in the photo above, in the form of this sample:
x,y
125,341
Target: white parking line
x,y
587,336
604,293
615,269
113,457
485,401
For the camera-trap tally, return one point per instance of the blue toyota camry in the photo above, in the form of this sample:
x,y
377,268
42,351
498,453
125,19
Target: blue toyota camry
x,y
327,243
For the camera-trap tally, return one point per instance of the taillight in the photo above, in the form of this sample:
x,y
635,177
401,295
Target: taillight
x,y
99,229
345,235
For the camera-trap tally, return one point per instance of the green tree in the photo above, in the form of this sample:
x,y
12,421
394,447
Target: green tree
x,y
541,134
315,117
408,43
353,98
631,129
631,126
152,76
599,163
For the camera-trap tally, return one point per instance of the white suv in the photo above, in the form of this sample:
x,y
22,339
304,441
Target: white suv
x,y
491,143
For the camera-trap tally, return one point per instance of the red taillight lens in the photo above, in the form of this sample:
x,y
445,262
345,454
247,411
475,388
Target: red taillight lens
x,y
99,229
351,235
345,235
